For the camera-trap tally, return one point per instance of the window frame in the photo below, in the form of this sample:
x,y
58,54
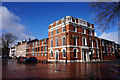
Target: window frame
x,y
64,52
51,54
63,29
63,41
57,42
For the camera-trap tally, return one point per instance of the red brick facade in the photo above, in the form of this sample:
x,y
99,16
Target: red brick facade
x,y
75,49
38,48
73,40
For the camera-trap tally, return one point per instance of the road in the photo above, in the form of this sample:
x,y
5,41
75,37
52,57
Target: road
x,y
108,70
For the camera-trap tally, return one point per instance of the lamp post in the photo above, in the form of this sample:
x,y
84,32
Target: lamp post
x,y
66,46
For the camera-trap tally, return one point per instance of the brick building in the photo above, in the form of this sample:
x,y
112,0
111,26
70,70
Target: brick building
x,y
38,49
75,37
107,49
21,48
70,39
12,52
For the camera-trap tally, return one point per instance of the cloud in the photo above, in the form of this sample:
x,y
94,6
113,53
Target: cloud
x,y
112,36
11,23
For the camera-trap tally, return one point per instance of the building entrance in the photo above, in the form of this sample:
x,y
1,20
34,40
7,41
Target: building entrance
x,y
85,55
57,56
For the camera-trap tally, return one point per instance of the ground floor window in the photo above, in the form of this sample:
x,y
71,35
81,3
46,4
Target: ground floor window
x,y
97,54
63,53
51,53
75,53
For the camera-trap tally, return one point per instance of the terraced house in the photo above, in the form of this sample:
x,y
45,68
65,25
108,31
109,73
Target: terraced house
x,y
38,49
21,48
71,39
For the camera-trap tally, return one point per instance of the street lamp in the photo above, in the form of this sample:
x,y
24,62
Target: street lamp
x,y
66,46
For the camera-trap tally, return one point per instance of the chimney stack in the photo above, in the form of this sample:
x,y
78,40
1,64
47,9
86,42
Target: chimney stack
x,y
21,42
25,40
29,39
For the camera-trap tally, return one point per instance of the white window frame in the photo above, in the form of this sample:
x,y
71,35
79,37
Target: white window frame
x,y
84,30
103,42
63,29
62,40
91,40
52,43
74,19
97,43
76,53
76,40
85,41
69,19
52,54
33,44
56,42
42,42
63,53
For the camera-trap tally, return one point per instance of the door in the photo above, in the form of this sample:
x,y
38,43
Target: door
x,y
56,55
85,55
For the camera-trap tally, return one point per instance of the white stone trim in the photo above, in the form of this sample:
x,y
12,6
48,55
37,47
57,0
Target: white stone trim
x,y
65,60
63,49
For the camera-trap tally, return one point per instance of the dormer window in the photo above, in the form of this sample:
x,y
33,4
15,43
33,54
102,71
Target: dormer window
x,y
68,19
73,20
82,22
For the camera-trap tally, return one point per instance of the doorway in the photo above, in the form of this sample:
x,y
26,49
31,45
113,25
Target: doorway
x,y
56,56
85,55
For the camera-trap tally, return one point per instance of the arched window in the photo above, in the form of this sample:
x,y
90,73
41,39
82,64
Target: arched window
x,y
64,53
75,53
51,53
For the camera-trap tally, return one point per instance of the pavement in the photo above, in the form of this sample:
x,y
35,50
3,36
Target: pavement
x,y
104,70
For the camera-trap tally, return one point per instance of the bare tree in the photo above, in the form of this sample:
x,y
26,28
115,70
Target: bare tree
x,y
106,14
7,39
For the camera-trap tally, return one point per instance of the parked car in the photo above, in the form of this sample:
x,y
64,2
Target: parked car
x,y
20,59
30,60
